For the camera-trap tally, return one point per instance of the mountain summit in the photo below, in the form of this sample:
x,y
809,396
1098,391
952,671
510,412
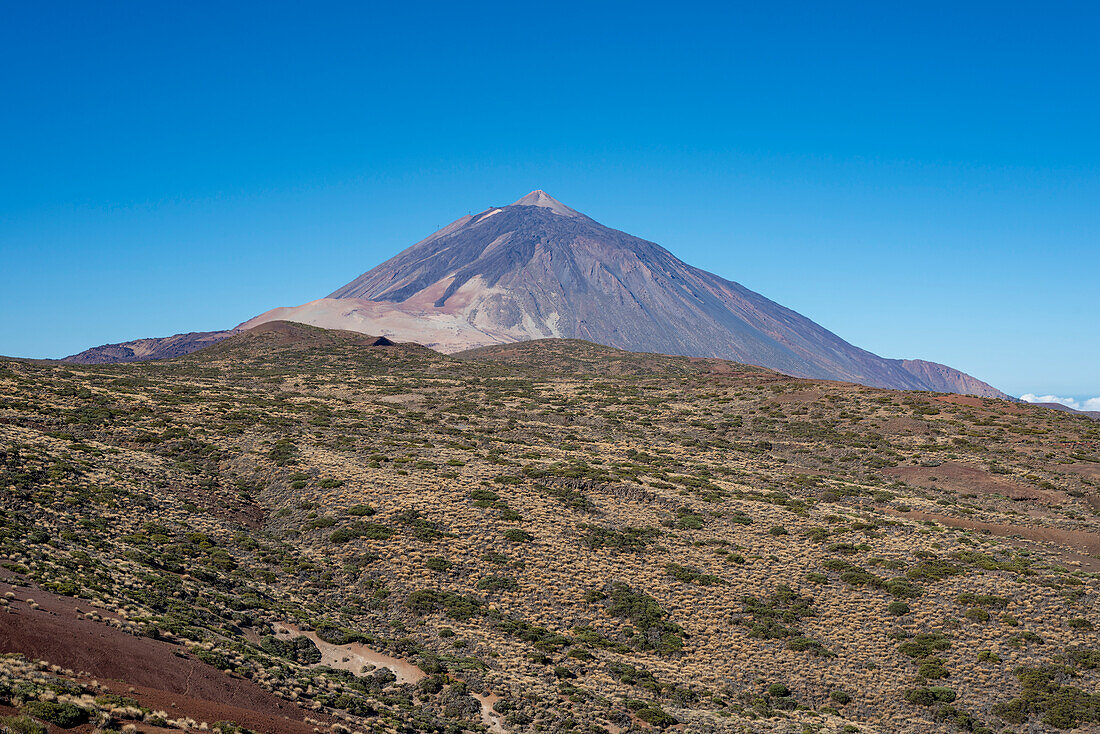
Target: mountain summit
x,y
538,197
539,269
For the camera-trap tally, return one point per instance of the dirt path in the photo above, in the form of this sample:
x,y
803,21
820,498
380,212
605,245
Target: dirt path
x,y
354,656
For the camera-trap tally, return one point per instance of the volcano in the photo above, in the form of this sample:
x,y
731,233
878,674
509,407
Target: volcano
x,y
538,269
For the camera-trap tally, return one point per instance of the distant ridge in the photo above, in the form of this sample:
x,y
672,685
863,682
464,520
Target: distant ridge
x,y
141,350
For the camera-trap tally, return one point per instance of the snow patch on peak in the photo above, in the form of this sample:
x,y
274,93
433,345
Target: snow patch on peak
x,y
483,217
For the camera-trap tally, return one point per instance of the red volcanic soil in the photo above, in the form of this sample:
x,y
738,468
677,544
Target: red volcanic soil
x,y
1085,545
151,671
965,478
1089,470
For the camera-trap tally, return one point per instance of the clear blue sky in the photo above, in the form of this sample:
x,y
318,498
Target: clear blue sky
x,y
921,178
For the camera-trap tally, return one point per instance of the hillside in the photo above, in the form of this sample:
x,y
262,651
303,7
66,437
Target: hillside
x,y
142,350
296,530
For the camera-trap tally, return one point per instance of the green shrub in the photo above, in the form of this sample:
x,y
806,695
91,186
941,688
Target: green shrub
x,y
656,632
497,583
690,575
436,563
808,644
1044,692
778,690
930,695
841,697
656,716
977,614
65,715
897,608
777,616
21,725
932,668
456,606
924,644
688,520
369,530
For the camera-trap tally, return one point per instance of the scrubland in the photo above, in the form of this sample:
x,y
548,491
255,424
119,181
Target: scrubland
x,y
588,540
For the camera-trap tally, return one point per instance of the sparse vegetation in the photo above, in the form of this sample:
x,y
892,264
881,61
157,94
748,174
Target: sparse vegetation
x,y
574,539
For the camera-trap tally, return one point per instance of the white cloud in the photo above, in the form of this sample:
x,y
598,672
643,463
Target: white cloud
x,y
1086,404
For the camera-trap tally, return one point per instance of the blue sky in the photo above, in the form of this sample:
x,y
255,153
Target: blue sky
x,y
922,179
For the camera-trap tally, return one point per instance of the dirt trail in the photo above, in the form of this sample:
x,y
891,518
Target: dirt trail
x,y
354,656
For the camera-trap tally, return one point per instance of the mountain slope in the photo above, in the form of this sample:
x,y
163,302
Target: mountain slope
x,y
538,269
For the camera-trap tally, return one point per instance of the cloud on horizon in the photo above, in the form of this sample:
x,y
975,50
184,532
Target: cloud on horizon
x,y
1086,404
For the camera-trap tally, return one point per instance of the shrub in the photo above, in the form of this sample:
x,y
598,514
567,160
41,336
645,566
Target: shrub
x,y
497,583
841,697
808,644
655,715
456,606
21,725
982,600
436,563
283,452
930,695
897,608
1045,693
934,569
688,519
779,615
628,539
369,530
977,614
778,690
65,715
361,510
518,536
902,589
690,575
932,668
301,649
646,614
633,676
924,644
